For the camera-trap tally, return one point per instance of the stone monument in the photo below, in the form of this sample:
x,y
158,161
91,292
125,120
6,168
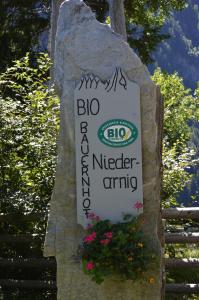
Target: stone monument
x,y
90,59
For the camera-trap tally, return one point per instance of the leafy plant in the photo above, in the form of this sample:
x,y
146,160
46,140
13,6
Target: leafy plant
x,y
144,20
29,122
119,249
180,107
22,24
179,160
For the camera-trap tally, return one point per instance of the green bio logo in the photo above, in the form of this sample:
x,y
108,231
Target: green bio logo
x,y
117,133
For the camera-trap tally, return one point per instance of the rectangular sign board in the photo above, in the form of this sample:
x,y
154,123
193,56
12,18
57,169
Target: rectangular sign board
x,y
108,148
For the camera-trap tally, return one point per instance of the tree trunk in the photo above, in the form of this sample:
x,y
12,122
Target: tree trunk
x,y
55,5
116,10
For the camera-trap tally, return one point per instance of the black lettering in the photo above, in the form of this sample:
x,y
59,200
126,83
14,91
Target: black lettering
x,y
87,107
107,183
125,181
83,127
86,203
133,181
126,163
111,161
100,164
81,110
94,106
114,181
85,152
83,161
85,170
84,193
132,160
84,139
86,181
87,211
119,162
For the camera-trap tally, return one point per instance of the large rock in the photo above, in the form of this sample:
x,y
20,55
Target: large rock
x,y
85,46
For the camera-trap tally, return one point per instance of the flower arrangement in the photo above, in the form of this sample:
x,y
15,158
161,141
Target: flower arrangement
x,y
115,249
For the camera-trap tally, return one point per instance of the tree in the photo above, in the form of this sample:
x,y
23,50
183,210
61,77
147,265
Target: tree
x,y
21,24
144,21
117,17
178,157
29,121
29,124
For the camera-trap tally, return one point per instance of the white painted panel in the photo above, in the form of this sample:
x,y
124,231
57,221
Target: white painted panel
x,y
108,147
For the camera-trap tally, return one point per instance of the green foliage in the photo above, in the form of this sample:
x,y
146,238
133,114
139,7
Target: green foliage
x,y
180,51
21,23
180,106
116,250
28,128
29,121
178,275
144,19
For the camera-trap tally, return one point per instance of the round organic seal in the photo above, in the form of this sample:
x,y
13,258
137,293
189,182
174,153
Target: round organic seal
x,y
117,133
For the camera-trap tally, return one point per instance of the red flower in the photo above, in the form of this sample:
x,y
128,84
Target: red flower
x,y
90,238
89,265
92,216
138,205
105,242
89,226
108,235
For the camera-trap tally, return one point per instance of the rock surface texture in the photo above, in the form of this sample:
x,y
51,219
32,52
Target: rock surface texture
x,y
85,46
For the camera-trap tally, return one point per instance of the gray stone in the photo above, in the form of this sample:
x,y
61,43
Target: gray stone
x,y
85,46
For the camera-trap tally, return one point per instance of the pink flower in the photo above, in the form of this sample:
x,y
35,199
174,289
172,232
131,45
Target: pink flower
x,y
105,242
93,234
90,238
89,226
108,235
138,205
89,265
92,216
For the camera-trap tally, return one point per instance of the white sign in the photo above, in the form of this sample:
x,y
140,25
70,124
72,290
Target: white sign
x,y
108,148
